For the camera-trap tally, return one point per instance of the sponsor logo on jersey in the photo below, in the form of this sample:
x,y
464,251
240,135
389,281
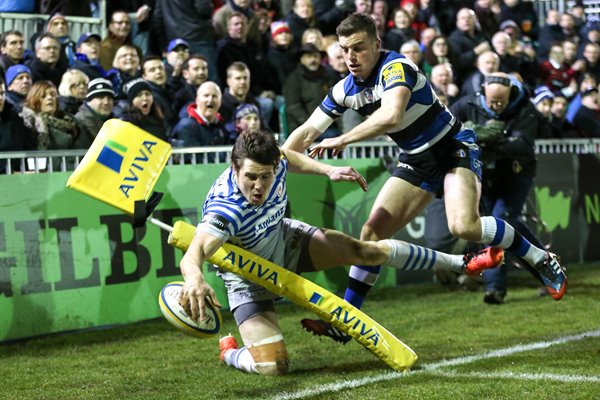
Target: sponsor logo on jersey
x,y
394,74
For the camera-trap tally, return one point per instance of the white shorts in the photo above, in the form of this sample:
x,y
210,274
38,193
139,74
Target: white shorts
x,y
293,249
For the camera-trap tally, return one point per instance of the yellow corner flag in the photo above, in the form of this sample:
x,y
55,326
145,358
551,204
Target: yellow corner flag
x,y
121,166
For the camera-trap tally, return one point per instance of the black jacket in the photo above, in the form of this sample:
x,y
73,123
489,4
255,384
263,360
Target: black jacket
x,y
186,19
518,140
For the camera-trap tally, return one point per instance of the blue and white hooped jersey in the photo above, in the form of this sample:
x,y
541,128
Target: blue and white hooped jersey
x,y
228,215
426,120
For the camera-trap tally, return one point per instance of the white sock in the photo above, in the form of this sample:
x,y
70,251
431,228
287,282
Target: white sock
x,y
410,257
240,359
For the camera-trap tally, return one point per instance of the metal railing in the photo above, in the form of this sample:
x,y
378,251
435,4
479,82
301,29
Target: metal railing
x,y
67,160
29,24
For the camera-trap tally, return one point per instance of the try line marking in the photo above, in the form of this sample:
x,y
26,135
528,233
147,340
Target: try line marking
x,y
434,367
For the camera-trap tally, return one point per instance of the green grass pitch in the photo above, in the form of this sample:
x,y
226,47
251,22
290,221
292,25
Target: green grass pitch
x,y
458,339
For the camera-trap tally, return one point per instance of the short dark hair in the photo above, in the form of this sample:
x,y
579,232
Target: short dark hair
x,y
259,146
151,57
357,23
186,64
6,34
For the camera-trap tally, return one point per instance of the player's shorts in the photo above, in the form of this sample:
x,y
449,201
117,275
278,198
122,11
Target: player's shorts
x,y
428,169
296,237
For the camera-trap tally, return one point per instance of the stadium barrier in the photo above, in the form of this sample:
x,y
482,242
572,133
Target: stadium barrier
x,y
29,24
69,262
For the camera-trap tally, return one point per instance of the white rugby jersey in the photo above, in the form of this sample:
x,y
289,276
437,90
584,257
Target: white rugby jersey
x,y
229,216
426,120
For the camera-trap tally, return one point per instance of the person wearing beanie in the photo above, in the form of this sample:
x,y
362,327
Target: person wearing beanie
x,y
141,109
97,108
18,84
281,55
11,131
59,27
542,100
241,114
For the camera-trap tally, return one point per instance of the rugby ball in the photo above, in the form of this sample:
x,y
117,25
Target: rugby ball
x,y
168,301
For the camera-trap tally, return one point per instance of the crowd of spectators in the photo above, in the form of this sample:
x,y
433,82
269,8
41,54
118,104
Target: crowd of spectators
x,y
186,71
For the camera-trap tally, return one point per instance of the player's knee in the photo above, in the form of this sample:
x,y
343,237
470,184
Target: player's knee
x,y
368,233
270,357
464,229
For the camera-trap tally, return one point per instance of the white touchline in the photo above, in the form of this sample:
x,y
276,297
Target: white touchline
x,y
516,375
433,367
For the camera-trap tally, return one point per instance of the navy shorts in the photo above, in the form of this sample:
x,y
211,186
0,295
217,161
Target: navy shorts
x,y
428,169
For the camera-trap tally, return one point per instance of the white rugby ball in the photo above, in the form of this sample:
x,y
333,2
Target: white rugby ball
x,y
168,300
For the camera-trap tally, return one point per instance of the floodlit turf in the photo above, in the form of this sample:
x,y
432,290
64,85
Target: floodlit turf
x,y
154,361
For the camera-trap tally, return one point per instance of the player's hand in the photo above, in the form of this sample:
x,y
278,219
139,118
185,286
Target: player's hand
x,y
348,174
334,143
193,297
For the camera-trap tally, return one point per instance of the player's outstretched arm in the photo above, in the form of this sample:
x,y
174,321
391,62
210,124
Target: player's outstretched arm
x,y
383,120
302,137
303,164
196,290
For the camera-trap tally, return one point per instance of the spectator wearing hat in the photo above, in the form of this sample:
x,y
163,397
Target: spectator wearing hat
x,y
194,72
12,137
12,50
59,27
305,88
45,65
141,109
468,42
542,99
281,56
18,83
190,21
246,117
178,51
72,90
587,119
97,108
87,58
155,74
119,34
203,125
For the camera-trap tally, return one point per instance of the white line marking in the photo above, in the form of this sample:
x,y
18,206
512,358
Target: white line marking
x,y
428,368
514,375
